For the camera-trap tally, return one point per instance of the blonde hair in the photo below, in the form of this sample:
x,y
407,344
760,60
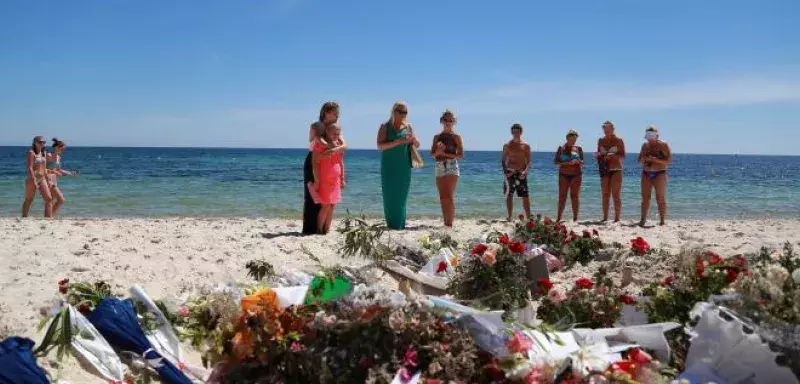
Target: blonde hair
x,y
394,108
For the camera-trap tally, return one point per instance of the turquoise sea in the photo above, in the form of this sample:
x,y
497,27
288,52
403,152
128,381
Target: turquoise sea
x,y
150,182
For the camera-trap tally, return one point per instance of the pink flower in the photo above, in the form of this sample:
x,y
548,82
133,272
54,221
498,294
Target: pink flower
x,y
489,257
519,343
601,290
410,359
556,295
183,311
405,375
584,283
296,347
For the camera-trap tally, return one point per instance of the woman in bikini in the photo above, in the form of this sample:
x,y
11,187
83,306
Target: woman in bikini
x,y
610,156
655,157
569,159
447,149
328,114
37,178
54,171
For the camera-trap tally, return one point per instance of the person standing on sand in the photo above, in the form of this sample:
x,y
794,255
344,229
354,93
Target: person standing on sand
x,y
329,113
394,140
447,149
37,178
610,155
516,161
55,171
328,175
569,159
655,156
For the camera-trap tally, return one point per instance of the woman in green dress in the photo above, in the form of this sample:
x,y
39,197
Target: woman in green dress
x,y
394,140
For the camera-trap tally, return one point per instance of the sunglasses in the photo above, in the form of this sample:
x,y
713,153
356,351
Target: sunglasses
x,y
448,121
41,142
401,112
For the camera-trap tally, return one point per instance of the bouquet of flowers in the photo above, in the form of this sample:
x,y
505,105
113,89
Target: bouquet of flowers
x,y
590,303
699,275
493,275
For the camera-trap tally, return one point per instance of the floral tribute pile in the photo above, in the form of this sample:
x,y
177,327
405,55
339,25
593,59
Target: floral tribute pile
x,y
257,333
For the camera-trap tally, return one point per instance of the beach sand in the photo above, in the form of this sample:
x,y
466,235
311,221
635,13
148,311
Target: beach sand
x,y
168,256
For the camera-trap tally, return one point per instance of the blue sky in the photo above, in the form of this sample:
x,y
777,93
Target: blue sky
x,y
715,76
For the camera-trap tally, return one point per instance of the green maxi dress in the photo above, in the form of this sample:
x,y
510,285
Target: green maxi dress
x,y
395,178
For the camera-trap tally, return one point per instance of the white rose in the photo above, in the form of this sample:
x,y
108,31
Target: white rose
x,y
796,276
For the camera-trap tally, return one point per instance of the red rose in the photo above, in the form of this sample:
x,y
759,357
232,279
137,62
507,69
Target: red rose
x,y
739,261
584,283
594,232
63,282
548,221
442,267
479,249
586,234
83,308
504,239
623,366
640,246
545,284
521,216
63,289
713,258
516,247
626,299
530,225
700,268
731,275
638,356
668,280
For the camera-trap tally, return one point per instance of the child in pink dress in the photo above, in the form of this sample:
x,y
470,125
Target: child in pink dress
x,y
328,175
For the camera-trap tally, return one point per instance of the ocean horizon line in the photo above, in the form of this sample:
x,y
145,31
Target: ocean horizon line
x,y
372,149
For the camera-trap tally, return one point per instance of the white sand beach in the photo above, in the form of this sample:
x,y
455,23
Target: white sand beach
x,y
168,256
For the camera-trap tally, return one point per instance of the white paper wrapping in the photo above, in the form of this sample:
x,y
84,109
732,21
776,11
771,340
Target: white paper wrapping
x,y
445,256
163,338
721,348
650,336
288,296
91,347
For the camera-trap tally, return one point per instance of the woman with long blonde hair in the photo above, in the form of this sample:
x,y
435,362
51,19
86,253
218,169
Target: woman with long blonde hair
x,y
395,138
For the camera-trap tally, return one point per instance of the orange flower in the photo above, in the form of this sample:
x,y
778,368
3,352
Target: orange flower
x,y
243,344
263,300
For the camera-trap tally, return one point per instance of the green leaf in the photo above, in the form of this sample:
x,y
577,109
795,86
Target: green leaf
x,y
47,341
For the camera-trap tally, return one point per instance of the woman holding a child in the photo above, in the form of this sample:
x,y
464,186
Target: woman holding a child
x,y
328,114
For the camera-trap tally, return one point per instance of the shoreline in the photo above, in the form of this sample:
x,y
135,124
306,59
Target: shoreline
x,y
169,257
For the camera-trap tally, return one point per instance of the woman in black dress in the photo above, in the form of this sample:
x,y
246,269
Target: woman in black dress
x,y
329,113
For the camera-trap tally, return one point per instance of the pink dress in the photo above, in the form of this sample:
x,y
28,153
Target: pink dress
x,y
329,189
